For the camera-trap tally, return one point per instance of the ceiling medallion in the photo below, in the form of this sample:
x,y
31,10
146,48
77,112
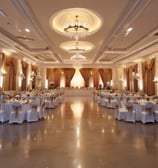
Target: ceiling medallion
x,y
77,46
76,22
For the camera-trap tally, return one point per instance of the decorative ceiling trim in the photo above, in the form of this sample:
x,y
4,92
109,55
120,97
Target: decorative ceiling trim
x,y
25,10
131,15
76,22
77,46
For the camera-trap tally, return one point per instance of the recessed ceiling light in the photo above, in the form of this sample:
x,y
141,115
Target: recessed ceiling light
x,y
129,29
27,30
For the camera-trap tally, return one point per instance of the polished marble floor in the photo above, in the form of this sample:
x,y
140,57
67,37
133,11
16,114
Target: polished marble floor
x,y
79,134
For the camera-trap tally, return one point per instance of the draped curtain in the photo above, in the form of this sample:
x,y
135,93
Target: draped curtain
x,y
54,75
57,77
34,68
69,73
50,75
132,82
14,77
96,78
148,72
86,75
10,66
24,70
134,70
128,79
106,75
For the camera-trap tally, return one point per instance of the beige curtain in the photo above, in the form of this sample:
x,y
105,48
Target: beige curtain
x,y
96,78
14,63
128,79
132,83
69,73
54,75
24,70
148,71
10,66
106,75
86,75
34,68
57,77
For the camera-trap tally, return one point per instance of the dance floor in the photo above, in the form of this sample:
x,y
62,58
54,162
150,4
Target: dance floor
x,y
79,134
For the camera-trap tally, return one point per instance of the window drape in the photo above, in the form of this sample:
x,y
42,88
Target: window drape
x,y
148,71
86,75
128,79
132,83
96,78
34,68
24,70
69,72
106,75
10,66
56,77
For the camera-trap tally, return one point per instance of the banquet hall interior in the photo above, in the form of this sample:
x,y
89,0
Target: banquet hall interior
x,y
78,83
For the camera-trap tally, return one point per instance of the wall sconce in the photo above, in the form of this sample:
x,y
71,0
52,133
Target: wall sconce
x,y
32,75
4,73
155,80
21,76
135,75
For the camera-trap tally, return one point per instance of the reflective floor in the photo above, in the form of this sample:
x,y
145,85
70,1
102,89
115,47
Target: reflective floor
x,y
79,134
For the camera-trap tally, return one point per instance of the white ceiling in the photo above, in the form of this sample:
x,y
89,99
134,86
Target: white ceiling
x,y
112,47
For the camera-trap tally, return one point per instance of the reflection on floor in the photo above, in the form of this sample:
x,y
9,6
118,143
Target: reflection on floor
x,y
79,134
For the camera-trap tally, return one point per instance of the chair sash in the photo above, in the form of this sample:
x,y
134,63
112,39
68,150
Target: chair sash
x,y
34,106
129,108
149,110
16,107
109,100
16,110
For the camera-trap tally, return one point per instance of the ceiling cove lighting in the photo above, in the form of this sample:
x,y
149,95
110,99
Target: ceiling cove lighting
x,y
76,23
78,57
77,46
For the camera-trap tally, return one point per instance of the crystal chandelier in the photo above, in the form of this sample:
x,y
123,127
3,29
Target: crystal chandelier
x,y
76,26
76,29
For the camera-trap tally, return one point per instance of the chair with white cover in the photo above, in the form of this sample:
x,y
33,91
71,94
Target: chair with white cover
x,y
31,114
41,109
148,114
111,102
131,114
156,112
16,115
49,102
4,116
120,112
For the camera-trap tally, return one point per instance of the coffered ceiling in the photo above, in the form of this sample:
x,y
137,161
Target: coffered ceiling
x,y
129,32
